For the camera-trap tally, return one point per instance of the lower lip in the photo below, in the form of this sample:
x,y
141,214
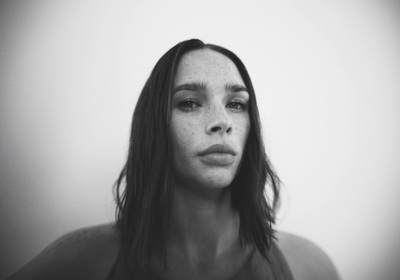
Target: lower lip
x,y
218,159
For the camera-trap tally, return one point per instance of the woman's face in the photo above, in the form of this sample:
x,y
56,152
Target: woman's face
x,y
210,120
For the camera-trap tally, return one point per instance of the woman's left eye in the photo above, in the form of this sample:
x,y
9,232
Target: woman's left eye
x,y
237,105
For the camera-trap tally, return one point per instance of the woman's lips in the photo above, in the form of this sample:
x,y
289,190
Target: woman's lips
x,y
218,148
218,155
218,159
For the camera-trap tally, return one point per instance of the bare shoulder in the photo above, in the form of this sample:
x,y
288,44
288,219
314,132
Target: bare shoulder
x,y
87,253
306,260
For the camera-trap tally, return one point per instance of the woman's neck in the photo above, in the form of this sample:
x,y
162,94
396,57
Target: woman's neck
x,y
204,224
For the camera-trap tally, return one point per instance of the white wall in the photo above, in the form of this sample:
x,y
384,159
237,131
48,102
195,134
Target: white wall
x,y
326,74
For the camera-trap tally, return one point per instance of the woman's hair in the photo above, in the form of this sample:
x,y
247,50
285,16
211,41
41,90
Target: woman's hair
x,y
143,191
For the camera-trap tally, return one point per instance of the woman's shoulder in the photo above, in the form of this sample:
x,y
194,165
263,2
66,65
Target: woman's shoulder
x,y
87,253
306,260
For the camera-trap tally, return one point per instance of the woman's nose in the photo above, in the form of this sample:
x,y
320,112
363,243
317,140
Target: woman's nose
x,y
219,121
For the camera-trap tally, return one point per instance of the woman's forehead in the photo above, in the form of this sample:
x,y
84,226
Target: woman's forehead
x,y
206,66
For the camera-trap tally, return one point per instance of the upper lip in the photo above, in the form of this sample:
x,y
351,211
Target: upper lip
x,y
218,148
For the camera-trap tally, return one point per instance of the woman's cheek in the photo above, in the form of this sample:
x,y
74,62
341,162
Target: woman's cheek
x,y
185,135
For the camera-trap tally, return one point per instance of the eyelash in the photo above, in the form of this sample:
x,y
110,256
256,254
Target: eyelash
x,y
240,103
183,105
187,105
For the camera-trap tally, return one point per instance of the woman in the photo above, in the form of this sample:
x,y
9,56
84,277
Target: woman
x,y
190,199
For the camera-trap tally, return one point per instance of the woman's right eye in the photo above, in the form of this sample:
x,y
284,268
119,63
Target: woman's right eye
x,y
188,105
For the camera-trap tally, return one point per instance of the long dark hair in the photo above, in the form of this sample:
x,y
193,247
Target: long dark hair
x,y
144,188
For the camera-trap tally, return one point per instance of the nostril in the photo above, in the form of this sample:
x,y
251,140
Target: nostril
x,y
215,128
220,127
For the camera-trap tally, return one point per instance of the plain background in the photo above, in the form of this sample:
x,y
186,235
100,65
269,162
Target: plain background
x,y
327,79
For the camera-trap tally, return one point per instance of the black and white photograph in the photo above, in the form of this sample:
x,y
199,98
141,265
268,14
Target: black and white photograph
x,y
212,140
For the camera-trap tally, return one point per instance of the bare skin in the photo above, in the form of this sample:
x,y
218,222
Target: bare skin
x,y
90,254
83,254
204,239
306,260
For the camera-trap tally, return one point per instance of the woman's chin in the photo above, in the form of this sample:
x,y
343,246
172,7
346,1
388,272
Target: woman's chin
x,y
217,183
207,183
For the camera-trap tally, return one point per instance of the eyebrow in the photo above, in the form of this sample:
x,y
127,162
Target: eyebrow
x,y
200,86
195,86
235,88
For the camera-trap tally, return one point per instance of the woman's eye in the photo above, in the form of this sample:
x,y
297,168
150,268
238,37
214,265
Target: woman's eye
x,y
236,105
188,105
